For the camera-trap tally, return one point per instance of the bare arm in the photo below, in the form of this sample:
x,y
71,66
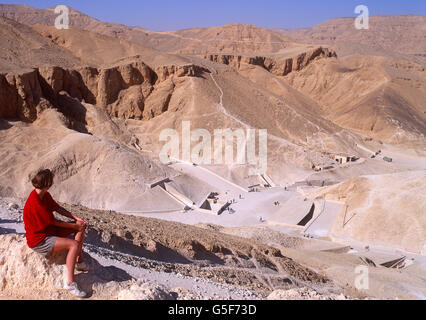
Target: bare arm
x,y
66,225
66,214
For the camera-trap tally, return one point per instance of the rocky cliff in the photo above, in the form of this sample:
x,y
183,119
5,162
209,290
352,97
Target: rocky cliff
x,y
20,95
280,66
128,91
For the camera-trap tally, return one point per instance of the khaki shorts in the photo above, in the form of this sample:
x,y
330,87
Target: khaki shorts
x,y
46,246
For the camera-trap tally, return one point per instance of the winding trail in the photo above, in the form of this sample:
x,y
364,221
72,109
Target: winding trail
x,y
226,113
220,89
223,110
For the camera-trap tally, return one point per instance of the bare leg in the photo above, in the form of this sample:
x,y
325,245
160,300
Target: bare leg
x,y
72,246
79,237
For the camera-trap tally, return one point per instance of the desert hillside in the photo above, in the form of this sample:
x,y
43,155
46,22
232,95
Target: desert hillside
x,y
136,97
339,118
394,202
403,34
382,97
22,47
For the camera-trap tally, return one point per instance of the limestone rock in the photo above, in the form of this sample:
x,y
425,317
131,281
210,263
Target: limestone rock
x,y
22,268
28,274
20,95
121,90
191,70
143,290
276,65
302,294
130,104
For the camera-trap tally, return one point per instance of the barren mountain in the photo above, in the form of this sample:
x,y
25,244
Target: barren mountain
x,y
388,35
231,38
28,15
162,90
404,34
129,81
95,49
381,97
22,47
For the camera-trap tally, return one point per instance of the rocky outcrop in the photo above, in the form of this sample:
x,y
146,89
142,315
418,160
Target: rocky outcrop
x,y
124,91
165,72
280,66
21,96
26,274
26,269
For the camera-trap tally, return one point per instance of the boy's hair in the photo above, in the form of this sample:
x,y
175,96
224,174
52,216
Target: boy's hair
x,y
43,179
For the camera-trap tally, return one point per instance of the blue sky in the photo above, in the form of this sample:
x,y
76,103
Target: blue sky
x,y
164,15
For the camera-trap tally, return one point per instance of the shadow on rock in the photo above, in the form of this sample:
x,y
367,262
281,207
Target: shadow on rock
x,y
6,231
4,125
100,277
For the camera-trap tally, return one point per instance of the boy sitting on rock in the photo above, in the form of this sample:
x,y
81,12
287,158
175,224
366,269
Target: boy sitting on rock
x,y
47,235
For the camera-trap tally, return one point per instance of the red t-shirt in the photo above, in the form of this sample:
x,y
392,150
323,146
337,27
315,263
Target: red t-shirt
x,y
38,218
